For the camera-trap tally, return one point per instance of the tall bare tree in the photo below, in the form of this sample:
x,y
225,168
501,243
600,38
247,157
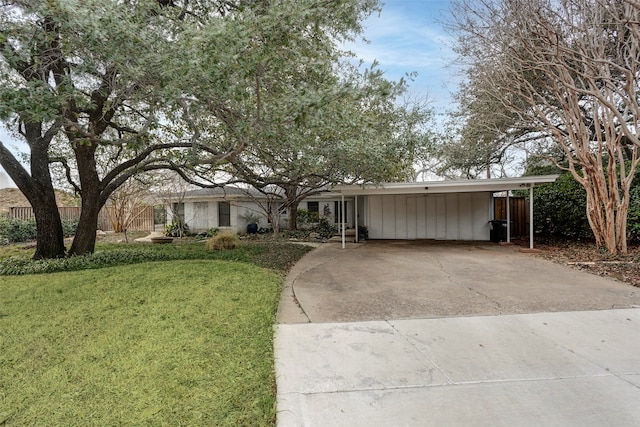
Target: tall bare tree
x,y
565,73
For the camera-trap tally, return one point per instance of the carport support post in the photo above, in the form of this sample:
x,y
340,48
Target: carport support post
x,y
508,219
356,214
342,220
531,216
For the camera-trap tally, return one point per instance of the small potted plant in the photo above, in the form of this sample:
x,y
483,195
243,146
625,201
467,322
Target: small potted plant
x,y
363,232
253,222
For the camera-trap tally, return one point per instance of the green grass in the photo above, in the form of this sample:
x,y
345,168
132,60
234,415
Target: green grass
x,y
115,339
185,342
18,251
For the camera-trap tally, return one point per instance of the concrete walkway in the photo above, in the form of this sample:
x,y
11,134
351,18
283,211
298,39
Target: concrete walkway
x,y
577,368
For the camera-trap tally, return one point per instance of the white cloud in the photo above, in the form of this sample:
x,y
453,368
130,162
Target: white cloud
x,y
407,36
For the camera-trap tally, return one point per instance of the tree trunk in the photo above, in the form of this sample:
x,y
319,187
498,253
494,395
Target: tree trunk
x,y
38,189
293,214
85,239
274,219
622,213
293,201
607,211
50,240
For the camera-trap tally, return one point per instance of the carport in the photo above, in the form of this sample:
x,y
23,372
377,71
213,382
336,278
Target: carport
x,y
439,210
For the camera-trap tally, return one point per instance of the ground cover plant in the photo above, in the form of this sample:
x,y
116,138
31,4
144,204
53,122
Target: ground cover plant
x,y
275,255
182,342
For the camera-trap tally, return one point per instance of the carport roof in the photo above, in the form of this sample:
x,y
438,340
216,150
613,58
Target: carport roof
x,y
447,186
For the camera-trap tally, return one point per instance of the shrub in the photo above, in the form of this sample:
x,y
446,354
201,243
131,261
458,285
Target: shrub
x,y
223,241
633,220
18,230
251,217
307,217
279,256
212,232
324,228
176,228
560,209
69,227
25,230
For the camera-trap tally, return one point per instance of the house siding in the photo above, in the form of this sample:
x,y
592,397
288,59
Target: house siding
x,y
456,216
201,215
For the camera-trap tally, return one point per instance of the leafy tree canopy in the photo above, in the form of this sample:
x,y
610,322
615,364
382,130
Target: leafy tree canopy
x,y
110,89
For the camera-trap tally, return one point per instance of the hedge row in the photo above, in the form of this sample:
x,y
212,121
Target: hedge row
x,y
560,210
25,230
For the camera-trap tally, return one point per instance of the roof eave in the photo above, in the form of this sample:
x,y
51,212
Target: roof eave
x,y
440,187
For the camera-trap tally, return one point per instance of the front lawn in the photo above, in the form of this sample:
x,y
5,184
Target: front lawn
x,y
184,342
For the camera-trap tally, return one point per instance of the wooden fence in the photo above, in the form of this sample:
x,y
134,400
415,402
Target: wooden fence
x,y
142,217
518,212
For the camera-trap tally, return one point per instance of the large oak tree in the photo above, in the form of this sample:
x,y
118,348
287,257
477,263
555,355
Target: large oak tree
x,y
143,85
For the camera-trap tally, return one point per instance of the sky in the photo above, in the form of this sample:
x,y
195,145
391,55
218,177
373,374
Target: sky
x,y
406,36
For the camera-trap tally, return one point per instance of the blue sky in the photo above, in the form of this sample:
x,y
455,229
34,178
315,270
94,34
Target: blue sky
x,y
408,36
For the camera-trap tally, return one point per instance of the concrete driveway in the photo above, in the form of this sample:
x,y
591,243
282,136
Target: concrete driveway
x,y
432,334
424,279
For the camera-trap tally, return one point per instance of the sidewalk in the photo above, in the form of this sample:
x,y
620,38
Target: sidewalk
x,y
562,369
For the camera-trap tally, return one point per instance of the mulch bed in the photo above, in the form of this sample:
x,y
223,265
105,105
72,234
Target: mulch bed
x,y
584,255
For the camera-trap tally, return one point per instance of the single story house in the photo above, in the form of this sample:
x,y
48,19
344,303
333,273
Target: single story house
x,y
233,208
440,210
225,208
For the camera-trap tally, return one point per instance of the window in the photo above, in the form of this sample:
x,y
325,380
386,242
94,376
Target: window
x,y
313,212
313,207
224,214
337,212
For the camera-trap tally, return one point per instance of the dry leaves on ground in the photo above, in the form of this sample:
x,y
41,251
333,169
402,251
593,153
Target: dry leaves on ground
x,y
586,256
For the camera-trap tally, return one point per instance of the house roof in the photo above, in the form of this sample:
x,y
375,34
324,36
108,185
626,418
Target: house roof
x,y
447,186
227,192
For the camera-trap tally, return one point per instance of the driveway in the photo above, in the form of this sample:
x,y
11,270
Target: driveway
x,y
432,334
387,280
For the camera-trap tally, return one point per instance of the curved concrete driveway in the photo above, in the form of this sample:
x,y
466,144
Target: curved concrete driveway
x,y
397,353
425,279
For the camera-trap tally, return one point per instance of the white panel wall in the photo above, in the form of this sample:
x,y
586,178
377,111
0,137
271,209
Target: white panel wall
x,y
388,217
430,220
412,217
440,215
465,216
373,216
452,218
401,217
421,219
458,216
200,219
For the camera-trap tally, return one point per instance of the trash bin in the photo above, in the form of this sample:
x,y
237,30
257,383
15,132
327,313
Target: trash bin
x,y
498,231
